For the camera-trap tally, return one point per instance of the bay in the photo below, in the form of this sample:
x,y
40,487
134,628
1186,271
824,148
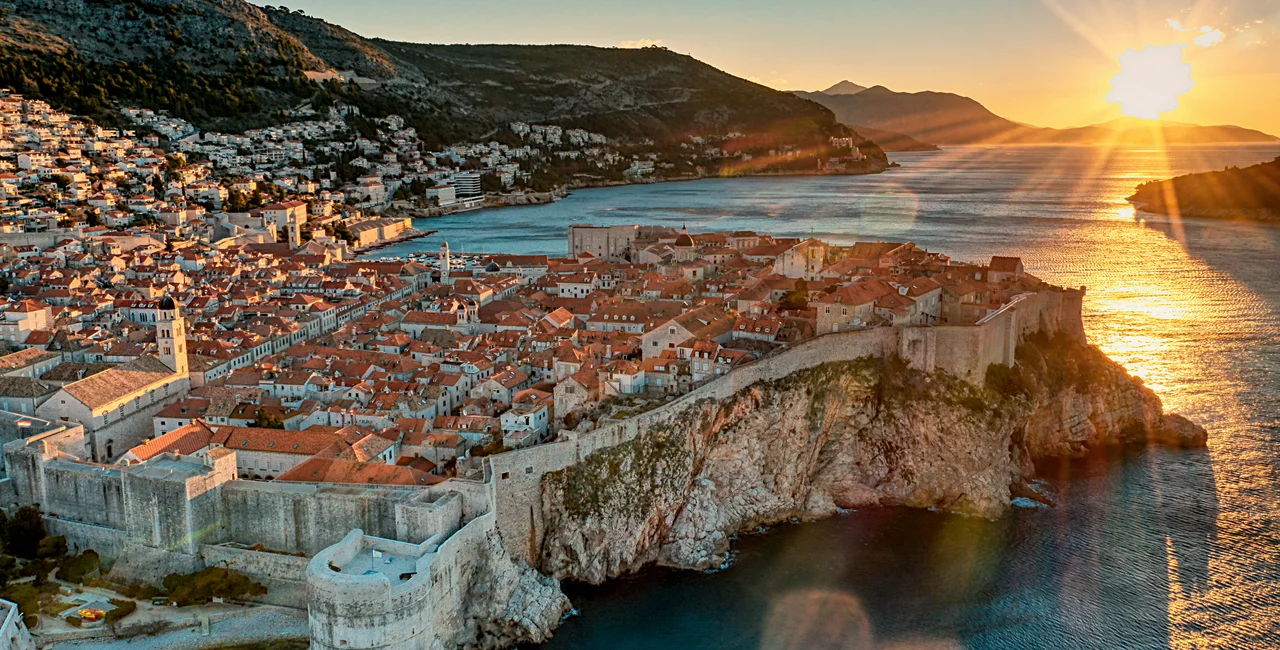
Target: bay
x,y
1151,549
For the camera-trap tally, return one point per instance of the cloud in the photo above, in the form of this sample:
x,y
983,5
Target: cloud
x,y
1176,26
642,42
1151,80
1209,37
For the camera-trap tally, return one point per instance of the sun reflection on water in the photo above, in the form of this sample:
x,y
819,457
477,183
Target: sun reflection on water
x,y
1174,321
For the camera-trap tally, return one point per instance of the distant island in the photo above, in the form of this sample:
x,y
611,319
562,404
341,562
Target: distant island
x,y
1251,192
950,119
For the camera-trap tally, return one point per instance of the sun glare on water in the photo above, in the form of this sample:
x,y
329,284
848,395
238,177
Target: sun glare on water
x,y
1150,81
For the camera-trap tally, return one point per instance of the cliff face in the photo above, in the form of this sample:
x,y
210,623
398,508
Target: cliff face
x,y
841,435
505,602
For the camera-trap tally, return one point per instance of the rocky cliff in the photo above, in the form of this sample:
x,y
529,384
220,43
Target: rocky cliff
x,y
841,435
504,602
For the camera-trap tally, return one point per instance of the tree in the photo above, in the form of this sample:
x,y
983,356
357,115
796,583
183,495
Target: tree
x,y
339,230
8,570
265,419
205,585
797,298
491,183
237,202
24,532
52,547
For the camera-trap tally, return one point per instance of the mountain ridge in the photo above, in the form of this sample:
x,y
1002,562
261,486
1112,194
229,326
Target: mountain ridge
x,y
229,65
952,119
844,87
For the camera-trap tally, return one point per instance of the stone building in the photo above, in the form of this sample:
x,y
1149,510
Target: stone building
x,y
116,405
611,243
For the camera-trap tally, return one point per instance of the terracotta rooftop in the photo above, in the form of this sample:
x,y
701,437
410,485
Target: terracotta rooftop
x,y
323,470
185,440
118,382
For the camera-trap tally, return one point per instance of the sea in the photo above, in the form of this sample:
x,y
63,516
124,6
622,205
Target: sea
x,y
1145,549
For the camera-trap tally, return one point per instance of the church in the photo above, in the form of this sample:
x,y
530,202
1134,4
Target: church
x,y
116,405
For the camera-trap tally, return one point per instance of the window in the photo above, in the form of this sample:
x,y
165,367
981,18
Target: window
x,y
506,475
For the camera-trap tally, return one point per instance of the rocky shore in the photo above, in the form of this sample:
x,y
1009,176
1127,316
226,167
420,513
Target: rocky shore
x,y
842,435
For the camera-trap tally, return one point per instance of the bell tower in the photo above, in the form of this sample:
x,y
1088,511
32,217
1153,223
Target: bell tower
x,y
171,336
446,262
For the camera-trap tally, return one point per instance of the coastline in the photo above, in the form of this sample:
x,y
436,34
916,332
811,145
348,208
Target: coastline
x,y
408,235
564,191
702,177
1225,214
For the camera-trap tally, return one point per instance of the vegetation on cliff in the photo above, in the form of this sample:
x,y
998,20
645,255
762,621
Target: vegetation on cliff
x,y
1048,365
1248,191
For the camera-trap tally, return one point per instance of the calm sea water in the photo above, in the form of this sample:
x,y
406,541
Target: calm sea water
x,y
1158,549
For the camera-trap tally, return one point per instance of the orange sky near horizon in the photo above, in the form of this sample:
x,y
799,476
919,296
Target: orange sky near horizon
x,y
1041,62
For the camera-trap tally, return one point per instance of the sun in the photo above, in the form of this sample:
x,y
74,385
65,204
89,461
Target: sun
x,y
1150,81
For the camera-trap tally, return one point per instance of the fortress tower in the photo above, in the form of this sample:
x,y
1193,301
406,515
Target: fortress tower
x,y
171,336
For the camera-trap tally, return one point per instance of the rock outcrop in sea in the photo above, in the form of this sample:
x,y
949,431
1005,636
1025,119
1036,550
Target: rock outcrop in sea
x,y
841,435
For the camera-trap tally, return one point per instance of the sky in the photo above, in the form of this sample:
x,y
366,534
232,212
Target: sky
x,y
1041,62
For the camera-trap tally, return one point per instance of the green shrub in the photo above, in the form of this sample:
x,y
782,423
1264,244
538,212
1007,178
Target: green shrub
x,y
73,621
123,609
1003,380
26,596
75,568
214,582
52,547
139,591
492,449
973,403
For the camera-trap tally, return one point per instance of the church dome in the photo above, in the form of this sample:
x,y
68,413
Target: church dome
x,y
492,267
166,303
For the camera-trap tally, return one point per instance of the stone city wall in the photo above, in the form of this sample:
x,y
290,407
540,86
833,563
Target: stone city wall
x,y
962,350
476,495
455,560
418,520
308,517
84,492
109,543
259,565
173,502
